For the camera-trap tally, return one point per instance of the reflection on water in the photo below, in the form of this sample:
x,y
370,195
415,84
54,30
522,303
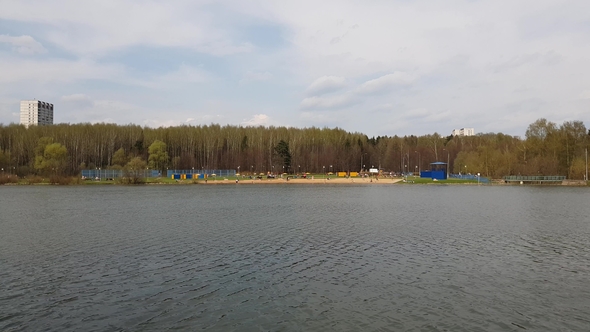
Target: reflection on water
x,y
294,258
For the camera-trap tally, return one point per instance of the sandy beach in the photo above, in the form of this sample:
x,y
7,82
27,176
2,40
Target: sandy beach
x,y
335,180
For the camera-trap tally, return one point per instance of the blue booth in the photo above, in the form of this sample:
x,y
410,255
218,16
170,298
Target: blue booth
x,y
438,171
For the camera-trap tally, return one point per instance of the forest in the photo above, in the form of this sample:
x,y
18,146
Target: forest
x,y
66,149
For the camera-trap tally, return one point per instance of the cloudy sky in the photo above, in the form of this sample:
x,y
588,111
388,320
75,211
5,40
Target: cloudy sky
x,y
378,67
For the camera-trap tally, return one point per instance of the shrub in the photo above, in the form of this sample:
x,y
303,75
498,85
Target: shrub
x,y
32,179
130,180
4,179
61,180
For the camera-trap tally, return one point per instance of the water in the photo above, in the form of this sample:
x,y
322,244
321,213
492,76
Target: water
x,y
294,258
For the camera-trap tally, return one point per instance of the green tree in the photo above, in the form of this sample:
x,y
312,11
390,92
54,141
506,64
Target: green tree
x,y
282,150
134,171
53,160
158,158
120,158
4,160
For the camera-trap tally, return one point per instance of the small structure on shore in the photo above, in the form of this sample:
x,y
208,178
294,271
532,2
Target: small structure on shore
x,y
438,171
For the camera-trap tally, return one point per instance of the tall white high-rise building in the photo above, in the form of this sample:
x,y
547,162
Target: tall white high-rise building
x,y
36,112
463,132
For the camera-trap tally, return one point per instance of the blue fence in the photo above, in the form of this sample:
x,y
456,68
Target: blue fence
x,y
534,178
199,172
469,177
114,173
436,174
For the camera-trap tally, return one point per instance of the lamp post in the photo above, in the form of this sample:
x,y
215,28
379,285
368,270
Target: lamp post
x,y
330,168
418,167
251,169
448,161
238,170
324,170
298,169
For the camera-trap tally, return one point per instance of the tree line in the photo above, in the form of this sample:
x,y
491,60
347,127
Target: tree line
x,y
65,149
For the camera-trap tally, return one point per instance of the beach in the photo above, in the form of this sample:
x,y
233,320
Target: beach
x,y
335,180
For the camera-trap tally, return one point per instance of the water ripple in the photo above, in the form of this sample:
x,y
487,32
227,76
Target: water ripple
x,y
294,258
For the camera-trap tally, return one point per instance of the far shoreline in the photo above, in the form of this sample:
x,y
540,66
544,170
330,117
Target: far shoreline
x,y
296,181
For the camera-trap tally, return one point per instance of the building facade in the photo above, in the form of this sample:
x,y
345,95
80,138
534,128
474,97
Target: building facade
x,y
36,113
464,132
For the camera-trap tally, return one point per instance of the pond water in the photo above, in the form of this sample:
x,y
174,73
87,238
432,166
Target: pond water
x,y
294,258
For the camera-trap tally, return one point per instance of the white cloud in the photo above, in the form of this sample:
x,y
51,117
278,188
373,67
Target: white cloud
x,y
456,60
257,120
326,84
547,59
385,83
23,44
111,25
156,123
340,101
54,71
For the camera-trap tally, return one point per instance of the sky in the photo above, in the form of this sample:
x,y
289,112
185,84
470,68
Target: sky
x,y
392,67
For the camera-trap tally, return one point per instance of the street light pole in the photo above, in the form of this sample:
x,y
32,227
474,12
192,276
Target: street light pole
x,y
362,165
448,161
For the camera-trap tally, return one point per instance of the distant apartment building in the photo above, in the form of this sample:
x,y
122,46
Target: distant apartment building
x,y
464,132
36,113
